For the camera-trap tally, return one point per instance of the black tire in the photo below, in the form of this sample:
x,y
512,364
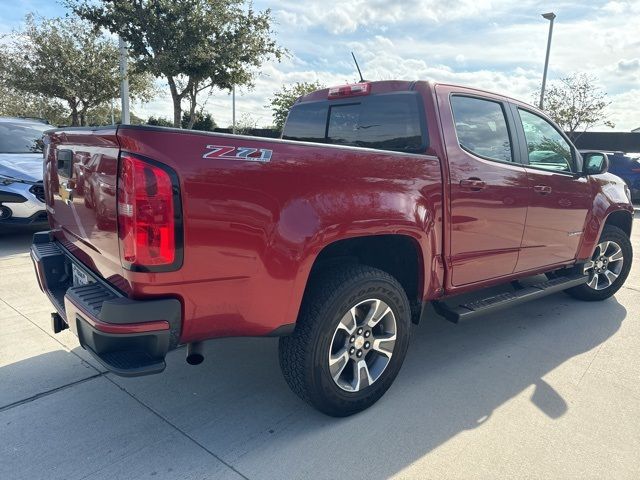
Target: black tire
x,y
585,292
304,355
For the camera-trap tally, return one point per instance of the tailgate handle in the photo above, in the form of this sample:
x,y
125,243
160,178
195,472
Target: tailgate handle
x,y
66,192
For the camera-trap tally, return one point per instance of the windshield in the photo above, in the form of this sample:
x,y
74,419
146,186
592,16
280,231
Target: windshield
x,y
22,137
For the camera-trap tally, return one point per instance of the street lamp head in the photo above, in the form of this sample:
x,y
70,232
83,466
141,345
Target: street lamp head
x,y
549,16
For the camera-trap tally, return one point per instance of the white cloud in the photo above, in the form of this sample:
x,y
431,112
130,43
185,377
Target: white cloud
x,y
629,65
497,45
623,111
347,16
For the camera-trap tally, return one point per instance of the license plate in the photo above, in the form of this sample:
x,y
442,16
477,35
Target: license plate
x,y
79,277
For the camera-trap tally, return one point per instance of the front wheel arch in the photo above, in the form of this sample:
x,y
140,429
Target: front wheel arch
x,y
621,219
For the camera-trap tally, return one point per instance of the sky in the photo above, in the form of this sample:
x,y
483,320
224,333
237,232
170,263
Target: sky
x,y
497,45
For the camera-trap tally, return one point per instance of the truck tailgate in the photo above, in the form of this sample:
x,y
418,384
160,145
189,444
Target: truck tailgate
x,y
80,173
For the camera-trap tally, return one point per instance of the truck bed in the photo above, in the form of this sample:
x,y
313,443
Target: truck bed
x,y
254,212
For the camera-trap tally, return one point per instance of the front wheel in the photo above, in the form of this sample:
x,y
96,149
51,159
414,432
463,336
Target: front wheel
x,y
608,268
350,340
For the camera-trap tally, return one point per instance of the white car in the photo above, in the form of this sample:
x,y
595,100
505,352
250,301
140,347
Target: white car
x,y
21,189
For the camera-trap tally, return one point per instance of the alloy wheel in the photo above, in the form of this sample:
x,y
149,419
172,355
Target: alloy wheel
x,y
605,265
362,345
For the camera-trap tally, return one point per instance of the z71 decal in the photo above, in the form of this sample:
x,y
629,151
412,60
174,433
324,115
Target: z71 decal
x,y
238,153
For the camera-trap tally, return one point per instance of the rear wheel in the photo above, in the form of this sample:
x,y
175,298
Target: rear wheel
x,y
608,268
350,340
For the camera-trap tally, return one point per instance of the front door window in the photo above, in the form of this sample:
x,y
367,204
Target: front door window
x,y
546,147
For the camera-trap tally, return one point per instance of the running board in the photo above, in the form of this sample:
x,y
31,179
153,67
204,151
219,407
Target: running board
x,y
508,299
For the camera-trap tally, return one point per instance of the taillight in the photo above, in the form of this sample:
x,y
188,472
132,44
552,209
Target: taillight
x,y
146,215
354,90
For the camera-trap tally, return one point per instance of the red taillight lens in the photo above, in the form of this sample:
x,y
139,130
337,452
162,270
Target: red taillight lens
x,y
146,220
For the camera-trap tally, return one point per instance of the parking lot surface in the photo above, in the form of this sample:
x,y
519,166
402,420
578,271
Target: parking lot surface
x,y
549,389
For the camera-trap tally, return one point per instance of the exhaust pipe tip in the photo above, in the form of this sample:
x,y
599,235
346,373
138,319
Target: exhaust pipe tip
x,y
195,355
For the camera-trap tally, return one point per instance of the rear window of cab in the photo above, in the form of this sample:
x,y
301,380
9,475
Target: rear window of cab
x,y
390,121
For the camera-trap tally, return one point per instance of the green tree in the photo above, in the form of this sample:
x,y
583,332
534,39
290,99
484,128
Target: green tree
x,y
23,104
245,124
101,115
203,121
159,121
66,59
284,99
195,44
576,103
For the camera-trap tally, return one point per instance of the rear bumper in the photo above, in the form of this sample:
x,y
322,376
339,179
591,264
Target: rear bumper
x,y
129,337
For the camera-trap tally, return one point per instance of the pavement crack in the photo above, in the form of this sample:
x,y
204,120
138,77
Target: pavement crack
x,y
49,392
178,429
590,363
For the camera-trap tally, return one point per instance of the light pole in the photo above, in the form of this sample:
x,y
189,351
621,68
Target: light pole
x,y
551,17
233,109
124,84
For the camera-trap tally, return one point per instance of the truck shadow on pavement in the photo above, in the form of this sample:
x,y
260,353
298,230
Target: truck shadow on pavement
x,y
237,406
13,242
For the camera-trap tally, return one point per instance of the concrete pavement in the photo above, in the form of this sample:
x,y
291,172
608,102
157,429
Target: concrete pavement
x,y
550,389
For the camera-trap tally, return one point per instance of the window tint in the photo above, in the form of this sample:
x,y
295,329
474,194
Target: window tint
x,y
384,122
481,127
306,122
344,121
547,148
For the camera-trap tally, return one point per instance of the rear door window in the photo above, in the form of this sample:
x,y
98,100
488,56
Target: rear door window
x,y
393,121
481,127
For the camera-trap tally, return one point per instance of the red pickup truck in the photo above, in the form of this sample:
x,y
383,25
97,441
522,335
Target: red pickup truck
x,y
380,197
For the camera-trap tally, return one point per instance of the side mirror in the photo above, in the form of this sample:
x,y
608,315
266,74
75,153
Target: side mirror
x,y
595,163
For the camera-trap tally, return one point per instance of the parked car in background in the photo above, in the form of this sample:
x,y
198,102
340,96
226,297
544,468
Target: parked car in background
x,y
627,167
21,189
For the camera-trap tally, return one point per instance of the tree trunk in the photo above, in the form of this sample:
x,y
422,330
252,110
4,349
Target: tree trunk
x,y
73,106
177,103
192,110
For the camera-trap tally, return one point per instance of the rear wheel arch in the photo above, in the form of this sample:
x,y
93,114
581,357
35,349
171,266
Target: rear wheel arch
x,y
399,255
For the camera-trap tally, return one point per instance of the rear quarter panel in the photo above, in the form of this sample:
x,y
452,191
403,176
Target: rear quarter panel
x,y
253,229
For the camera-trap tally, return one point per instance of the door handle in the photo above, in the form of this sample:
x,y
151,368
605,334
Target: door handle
x,y
474,184
542,189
